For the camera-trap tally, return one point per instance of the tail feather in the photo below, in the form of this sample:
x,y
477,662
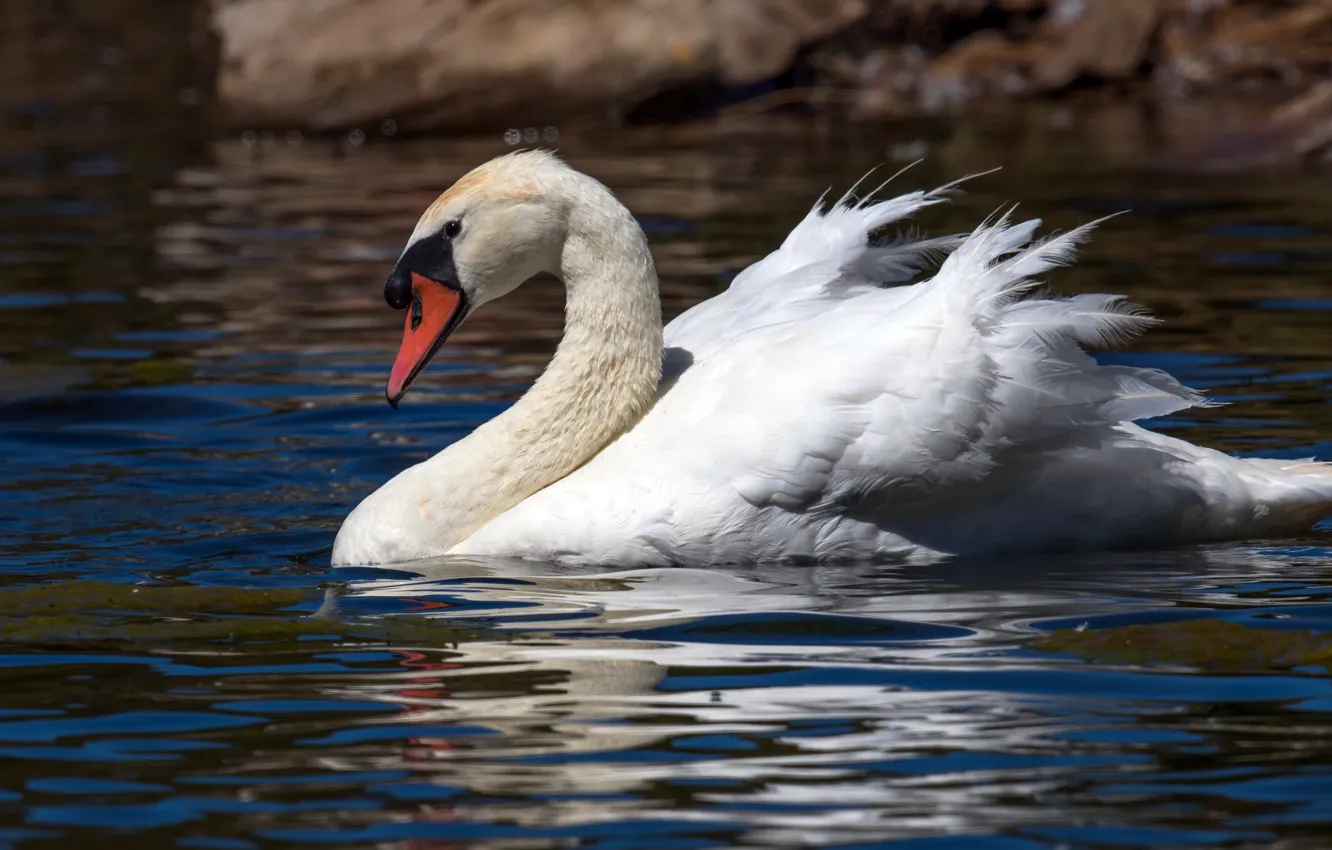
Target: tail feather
x,y
996,263
902,259
1306,466
840,236
1048,382
1092,320
1310,467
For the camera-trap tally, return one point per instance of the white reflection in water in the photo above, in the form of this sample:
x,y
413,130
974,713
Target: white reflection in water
x,y
710,681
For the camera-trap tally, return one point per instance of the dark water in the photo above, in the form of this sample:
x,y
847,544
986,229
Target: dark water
x,y
192,352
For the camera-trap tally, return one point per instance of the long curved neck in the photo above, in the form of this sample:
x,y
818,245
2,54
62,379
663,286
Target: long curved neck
x,y
602,379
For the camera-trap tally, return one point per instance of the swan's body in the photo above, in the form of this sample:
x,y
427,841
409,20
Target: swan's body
x,y
808,412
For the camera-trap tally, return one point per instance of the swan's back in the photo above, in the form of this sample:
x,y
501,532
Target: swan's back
x,y
814,411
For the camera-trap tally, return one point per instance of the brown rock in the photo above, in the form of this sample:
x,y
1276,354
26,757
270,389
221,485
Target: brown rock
x,y
324,64
984,63
1260,45
1307,119
1110,40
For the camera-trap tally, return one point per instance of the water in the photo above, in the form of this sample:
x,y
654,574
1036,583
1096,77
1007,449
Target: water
x,y
192,352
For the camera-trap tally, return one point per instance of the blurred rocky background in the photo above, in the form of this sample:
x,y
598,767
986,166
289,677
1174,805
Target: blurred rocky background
x,y
471,64
1261,67
194,182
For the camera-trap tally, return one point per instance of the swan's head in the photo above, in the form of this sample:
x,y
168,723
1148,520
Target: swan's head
x,y
499,225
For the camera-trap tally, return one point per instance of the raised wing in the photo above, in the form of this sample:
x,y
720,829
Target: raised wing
x,y
851,394
829,256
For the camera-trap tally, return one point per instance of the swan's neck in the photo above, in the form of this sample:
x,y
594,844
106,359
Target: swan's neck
x,y
602,379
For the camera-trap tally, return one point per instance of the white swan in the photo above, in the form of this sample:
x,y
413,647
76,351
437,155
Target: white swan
x,y
807,413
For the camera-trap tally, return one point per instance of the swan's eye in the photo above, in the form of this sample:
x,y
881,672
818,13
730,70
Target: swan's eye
x,y
452,228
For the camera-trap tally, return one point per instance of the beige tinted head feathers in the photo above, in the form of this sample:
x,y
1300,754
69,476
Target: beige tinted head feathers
x,y
499,225
508,220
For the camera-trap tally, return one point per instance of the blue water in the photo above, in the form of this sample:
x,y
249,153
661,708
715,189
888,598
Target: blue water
x,y
192,352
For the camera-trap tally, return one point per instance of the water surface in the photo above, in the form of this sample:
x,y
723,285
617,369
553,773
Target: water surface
x,y
192,352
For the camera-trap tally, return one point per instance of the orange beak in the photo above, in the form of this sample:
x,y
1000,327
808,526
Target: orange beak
x,y
436,309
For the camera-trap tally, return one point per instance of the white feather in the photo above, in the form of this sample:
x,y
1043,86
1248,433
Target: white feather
x,y
817,410
827,417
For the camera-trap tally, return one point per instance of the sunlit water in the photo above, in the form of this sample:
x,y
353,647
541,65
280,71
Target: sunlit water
x,y
192,352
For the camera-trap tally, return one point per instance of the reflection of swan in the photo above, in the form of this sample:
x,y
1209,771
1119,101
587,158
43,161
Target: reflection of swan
x,y
967,599
806,413
601,725
533,596
571,705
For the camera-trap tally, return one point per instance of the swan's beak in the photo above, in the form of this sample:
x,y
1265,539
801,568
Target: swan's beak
x,y
436,309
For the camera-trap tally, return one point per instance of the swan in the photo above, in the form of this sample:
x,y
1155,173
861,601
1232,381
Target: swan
x,y
811,412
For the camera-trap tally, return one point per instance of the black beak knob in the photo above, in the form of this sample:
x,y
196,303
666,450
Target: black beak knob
x,y
398,290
